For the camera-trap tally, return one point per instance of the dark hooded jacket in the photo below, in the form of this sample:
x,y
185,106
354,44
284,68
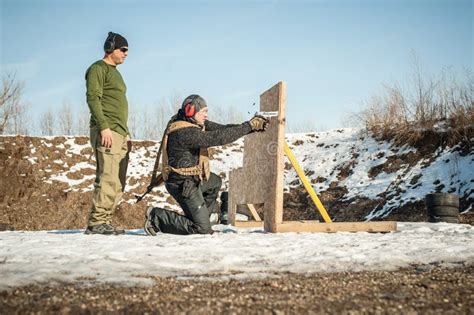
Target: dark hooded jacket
x,y
184,144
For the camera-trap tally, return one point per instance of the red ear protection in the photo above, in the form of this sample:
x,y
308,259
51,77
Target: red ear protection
x,y
189,110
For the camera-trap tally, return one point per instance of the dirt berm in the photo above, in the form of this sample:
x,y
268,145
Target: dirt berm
x,y
29,201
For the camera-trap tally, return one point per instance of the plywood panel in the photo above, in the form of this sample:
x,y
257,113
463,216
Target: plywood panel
x,y
261,178
275,100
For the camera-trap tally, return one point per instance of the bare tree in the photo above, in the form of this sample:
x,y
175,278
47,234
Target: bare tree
x,y
133,121
10,95
47,123
175,101
302,126
162,114
149,125
82,122
66,119
19,120
233,115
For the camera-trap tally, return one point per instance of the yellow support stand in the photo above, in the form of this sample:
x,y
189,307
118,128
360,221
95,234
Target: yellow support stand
x,y
307,184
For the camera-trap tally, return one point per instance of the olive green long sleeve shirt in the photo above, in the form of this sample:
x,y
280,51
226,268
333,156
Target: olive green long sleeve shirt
x,y
106,97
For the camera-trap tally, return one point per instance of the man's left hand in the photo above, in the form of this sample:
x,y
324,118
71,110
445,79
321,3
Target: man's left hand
x,y
259,123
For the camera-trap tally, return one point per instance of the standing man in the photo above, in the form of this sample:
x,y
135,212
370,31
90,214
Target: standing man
x,y
186,172
108,133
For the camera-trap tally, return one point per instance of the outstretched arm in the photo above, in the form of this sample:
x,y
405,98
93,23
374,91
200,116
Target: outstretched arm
x,y
195,138
211,126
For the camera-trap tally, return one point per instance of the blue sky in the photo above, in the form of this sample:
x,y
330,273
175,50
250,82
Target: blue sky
x,y
332,54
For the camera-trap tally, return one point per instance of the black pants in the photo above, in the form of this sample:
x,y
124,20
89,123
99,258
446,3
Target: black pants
x,y
197,207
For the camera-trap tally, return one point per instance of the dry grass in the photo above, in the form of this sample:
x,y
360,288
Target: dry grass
x,y
442,107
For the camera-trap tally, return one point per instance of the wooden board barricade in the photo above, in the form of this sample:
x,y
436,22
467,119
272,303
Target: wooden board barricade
x,y
260,179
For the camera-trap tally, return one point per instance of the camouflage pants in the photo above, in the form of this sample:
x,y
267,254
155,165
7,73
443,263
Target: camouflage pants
x,y
111,172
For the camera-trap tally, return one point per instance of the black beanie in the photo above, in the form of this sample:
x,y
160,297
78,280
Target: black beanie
x,y
115,41
120,41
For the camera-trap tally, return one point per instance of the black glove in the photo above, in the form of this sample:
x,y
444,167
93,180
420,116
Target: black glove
x,y
259,123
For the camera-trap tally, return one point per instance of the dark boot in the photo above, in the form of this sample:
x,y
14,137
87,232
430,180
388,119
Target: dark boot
x,y
149,227
118,231
104,229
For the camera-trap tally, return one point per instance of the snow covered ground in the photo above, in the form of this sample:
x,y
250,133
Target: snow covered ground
x,y
47,257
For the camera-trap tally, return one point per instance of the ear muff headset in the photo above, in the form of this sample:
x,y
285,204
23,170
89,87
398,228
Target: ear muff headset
x,y
190,107
189,110
109,45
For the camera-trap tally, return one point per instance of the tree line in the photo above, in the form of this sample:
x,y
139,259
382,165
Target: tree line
x,y
147,122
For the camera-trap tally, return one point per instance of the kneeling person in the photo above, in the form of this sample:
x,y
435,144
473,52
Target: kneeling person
x,y
185,168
